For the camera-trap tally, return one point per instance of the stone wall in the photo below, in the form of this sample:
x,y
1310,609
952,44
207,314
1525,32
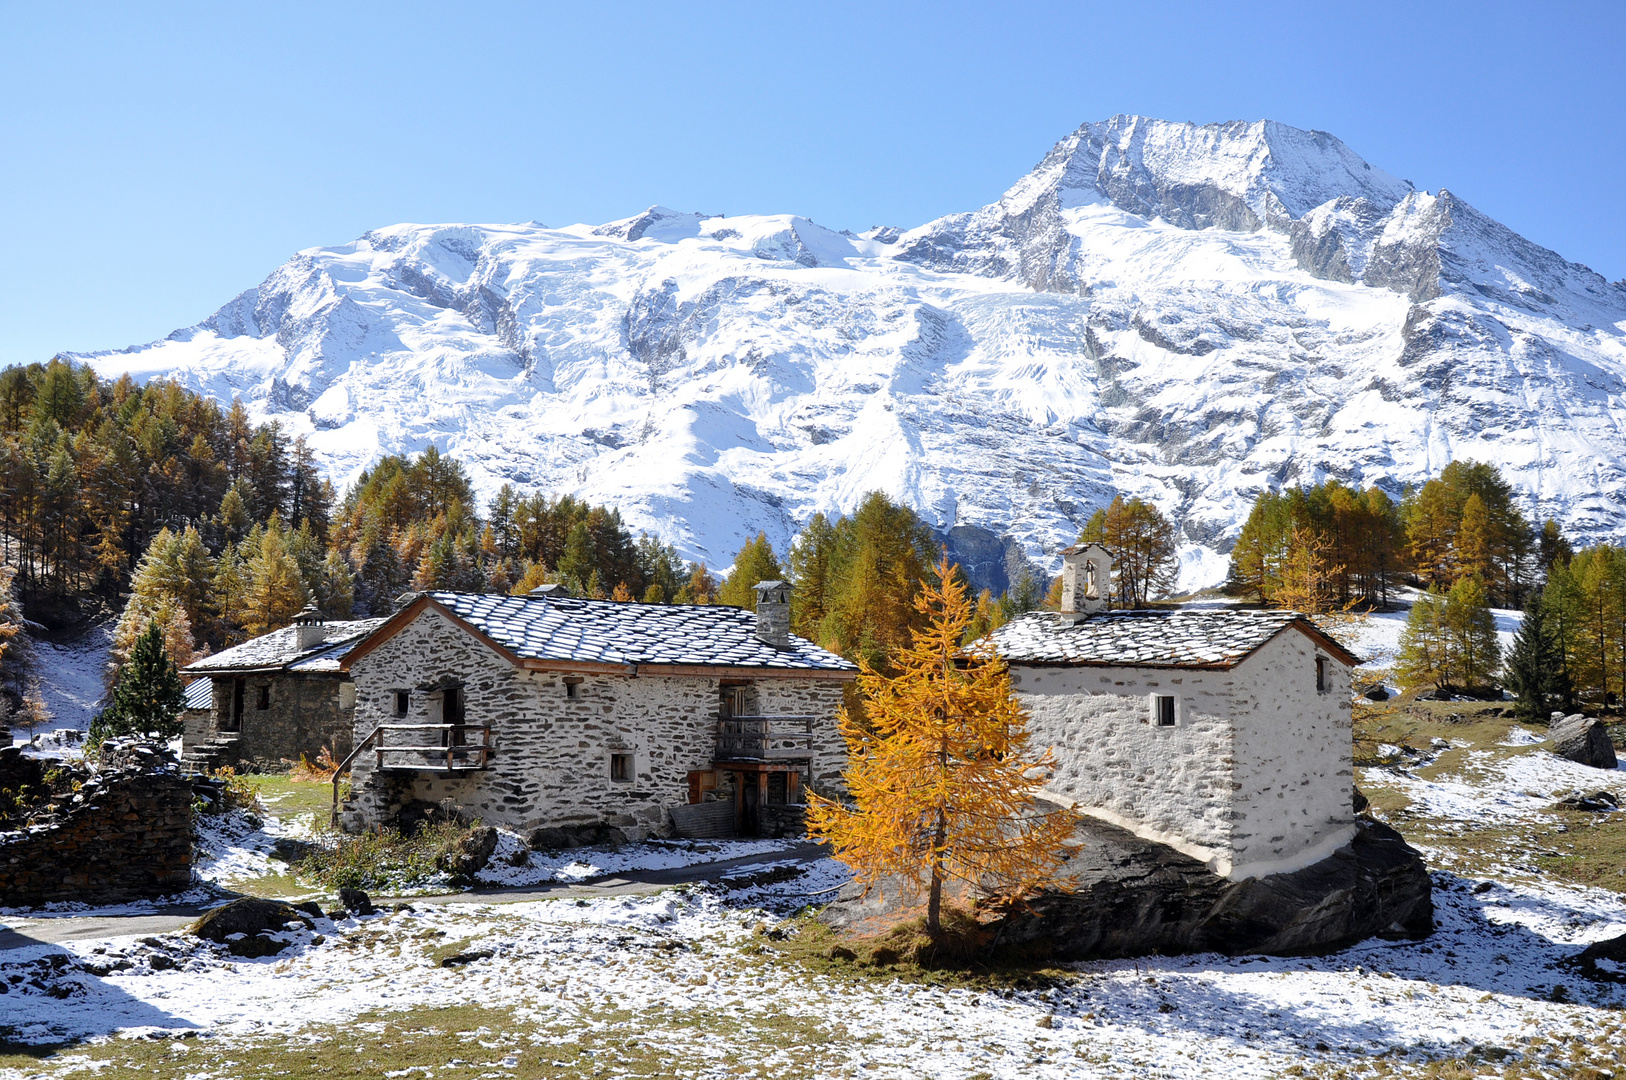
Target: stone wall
x,y
1254,777
127,833
303,713
1170,784
1293,758
551,763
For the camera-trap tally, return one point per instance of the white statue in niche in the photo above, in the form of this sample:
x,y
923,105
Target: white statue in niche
x,y
1092,590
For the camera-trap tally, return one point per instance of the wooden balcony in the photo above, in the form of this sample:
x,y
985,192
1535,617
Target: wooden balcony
x,y
443,748
764,739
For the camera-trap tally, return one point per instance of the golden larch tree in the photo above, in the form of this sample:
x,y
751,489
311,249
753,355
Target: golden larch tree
x,y
940,771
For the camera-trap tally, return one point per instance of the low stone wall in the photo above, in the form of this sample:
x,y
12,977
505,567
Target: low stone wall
x,y
126,833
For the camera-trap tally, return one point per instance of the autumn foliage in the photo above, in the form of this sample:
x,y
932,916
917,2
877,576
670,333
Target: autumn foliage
x,y
941,774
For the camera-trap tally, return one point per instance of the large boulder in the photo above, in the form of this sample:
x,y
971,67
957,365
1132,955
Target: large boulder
x,y
1582,739
470,853
249,926
1136,897
564,837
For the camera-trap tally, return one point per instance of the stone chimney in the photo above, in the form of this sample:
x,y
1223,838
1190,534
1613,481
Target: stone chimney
x,y
310,630
773,613
1086,579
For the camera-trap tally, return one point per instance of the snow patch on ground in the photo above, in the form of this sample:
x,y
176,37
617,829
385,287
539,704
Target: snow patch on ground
x,y
68,679
582,864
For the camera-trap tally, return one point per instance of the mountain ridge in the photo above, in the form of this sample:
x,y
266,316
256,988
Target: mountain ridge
x,y
1186,313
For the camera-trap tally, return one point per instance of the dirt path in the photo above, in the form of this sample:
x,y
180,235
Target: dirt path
x,y
22,932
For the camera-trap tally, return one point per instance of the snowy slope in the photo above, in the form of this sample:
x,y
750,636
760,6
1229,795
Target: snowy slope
x,y
1189,314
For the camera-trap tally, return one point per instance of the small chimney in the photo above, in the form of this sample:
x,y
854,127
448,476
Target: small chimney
x,y
1086,579
310,630
773,613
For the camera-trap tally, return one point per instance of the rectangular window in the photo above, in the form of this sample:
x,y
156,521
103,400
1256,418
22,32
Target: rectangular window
x,y
1163,710
402,700
1322,682
265,697
573,689
621,768
451,705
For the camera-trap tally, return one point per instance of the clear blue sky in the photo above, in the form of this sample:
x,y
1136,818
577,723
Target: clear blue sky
x,y
157,161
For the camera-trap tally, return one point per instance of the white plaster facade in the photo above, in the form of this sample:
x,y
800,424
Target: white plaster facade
x,y
1253,777
554,731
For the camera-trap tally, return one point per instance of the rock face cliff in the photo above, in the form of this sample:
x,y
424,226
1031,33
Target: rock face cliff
x,y
1189,314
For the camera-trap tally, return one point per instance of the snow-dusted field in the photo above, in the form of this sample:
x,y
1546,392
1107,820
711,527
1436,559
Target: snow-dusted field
x,y
686,977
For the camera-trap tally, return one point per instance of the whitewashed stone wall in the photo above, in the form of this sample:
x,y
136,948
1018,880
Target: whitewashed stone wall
x,y
1293,758
551,765
1173,785
1253,779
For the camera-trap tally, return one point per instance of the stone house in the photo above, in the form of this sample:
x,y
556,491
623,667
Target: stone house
x,y
551,712
1224,734
275,697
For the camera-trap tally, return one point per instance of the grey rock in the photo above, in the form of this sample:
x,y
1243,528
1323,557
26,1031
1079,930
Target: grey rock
x,y
470,854
356,902
575,836
1583,740
1136,898
259,921
1601,802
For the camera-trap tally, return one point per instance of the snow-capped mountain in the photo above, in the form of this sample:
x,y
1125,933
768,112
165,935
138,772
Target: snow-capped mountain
x,y
1189,314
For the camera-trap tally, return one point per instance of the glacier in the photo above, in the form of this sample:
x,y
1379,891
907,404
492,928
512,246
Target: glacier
x,y
1189,314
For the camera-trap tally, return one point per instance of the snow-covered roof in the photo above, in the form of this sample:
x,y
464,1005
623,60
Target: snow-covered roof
x,y
570,630
1155,638
280,650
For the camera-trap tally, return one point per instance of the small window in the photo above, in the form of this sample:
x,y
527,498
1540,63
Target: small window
x,y
1163,710
402,700
573,689
1323,681
265,697
621,768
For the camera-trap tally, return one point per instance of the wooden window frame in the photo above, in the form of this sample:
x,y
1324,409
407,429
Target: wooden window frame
x,y
623,768
1165,705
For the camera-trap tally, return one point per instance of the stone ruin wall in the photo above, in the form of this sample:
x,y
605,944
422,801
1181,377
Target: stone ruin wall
x,y
127,833
551,764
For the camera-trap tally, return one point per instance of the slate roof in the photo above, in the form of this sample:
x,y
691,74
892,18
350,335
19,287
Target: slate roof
x,y
1157,638
200,694
648,635
279,650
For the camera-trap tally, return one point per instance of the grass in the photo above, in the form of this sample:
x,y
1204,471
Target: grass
x,y
384,861
1573,847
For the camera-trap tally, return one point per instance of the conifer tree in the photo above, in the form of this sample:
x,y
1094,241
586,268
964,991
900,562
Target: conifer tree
x,y
810,555
940,771
1425,643
1474,651
1536,672
148,696
755,562
276,590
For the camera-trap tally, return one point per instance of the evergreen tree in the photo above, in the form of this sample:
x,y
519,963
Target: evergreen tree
x,y
1536,671
756,562
148,697
810,555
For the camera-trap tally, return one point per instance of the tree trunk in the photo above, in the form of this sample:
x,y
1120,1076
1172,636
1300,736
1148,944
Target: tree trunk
x,y
934,902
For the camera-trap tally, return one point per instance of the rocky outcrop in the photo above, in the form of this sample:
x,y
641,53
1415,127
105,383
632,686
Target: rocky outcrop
x,y
1583,740
1135,897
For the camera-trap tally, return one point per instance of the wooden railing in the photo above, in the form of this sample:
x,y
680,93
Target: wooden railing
x,y
765,738
450,751
443,747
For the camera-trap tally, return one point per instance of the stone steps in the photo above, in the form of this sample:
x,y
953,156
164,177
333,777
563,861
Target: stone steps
x,y
208,756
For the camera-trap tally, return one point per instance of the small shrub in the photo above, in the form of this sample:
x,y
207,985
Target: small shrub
x,y
236,793
320,771
385,860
